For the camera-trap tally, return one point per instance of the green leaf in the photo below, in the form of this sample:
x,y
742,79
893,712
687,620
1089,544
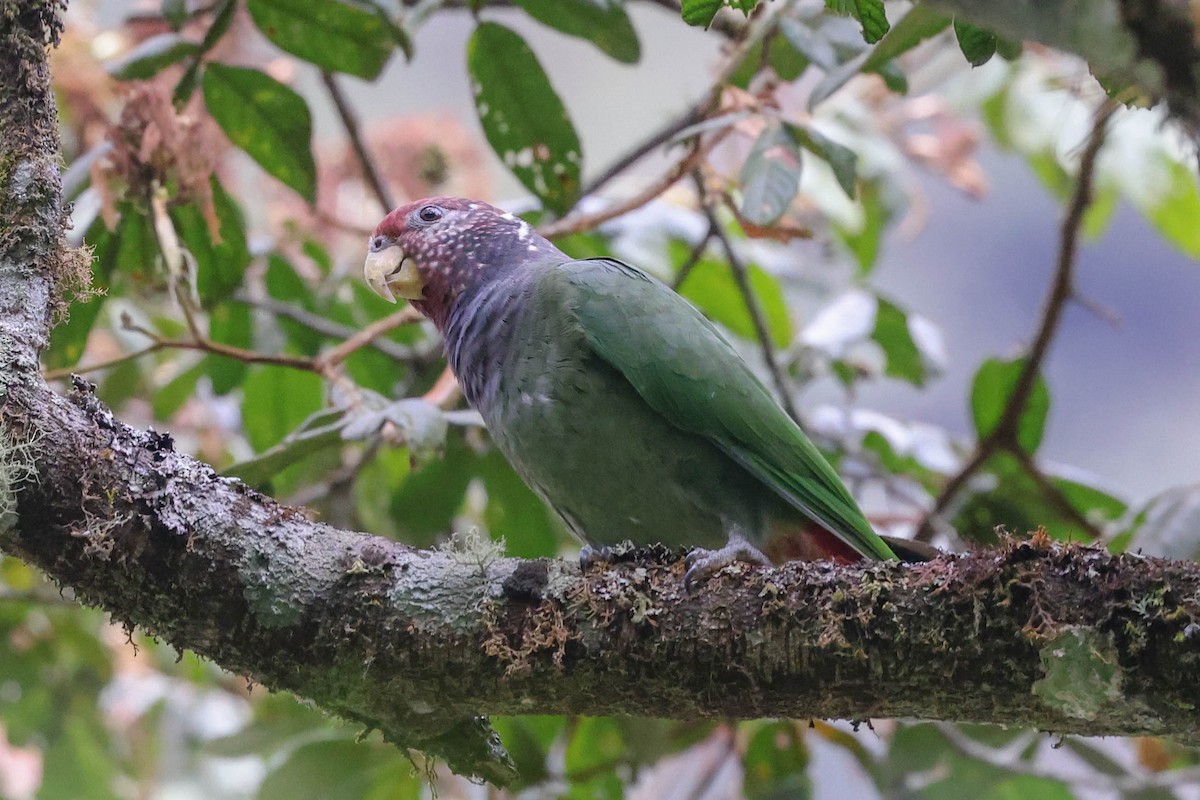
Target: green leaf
x,y
1029,787
221,261
524,120
864,243
873,18
604,23
776,764
977,44
892,333
771,175
336,769
842,160
277,400
229,324
152,56
990,393
711,286
919,24
217,29
284,284
333,35
1177,215
700,12
267,120
167,400
528,740
515,512
321,431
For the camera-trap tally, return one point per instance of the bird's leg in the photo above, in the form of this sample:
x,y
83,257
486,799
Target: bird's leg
x,y
703,563
591,556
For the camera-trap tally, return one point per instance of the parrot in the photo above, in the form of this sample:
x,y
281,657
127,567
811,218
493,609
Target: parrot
x,y
615,399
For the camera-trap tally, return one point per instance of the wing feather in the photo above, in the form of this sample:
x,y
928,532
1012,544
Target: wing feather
x,y
685,370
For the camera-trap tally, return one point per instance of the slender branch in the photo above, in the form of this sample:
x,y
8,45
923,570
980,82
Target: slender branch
x,y
689,264
206,345
1004,435
742,276
350,123
656,139
586,222
65,372
336,355
327,327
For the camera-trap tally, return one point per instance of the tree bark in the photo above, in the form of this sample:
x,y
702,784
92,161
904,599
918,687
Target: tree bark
x,y
420,644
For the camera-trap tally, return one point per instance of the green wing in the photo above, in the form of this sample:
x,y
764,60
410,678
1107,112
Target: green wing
x,y
686,371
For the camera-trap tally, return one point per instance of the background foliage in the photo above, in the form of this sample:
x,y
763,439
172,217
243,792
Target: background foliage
x,y
227,240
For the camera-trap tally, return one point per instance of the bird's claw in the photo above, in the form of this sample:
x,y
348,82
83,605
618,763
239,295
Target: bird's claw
x,y
702,564
591,556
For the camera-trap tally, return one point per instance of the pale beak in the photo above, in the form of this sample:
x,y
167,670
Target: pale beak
x,y
391,273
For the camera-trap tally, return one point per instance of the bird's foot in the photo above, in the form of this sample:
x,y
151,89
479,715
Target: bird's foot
x,y
591,556
702,564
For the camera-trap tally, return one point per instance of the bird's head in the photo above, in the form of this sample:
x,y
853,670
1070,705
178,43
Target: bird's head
x,y
433,250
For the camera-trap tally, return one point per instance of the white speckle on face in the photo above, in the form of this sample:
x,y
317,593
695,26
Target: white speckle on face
x,y
533,248
523,231
508,215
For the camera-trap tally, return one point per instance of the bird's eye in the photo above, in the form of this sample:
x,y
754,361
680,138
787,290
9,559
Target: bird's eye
x,y
429,214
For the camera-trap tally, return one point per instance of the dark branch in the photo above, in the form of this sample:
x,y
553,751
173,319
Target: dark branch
x,y
350,123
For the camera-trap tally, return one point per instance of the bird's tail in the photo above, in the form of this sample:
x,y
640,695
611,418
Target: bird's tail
x,y
910,551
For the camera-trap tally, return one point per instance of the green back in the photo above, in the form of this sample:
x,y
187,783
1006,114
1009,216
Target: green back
x,y
685,370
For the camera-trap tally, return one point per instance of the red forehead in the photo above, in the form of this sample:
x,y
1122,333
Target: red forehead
x,y
397,220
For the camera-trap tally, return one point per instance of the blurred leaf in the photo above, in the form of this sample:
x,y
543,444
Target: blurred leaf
x,y
336,769
700,12
813,45
602,22
776,764
175,392
284,284
419,504
990,392
1177,215
787,62
222,19
864,244
422,424
711,286
220,262
896,464
919,24
1029,787
229,324
977,44
1168,525
276,401
333,35
528,740
515,512
596,742
267,120
80,757
152,56
842,160
175,12
771,175
322,430
524,120
891,332
1090,501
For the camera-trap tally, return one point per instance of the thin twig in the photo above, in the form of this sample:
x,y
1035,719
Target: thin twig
x,y
350,123
742,277
699,150
1004,435
336,355
205,345
63,372
657,139
685,269
327,327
